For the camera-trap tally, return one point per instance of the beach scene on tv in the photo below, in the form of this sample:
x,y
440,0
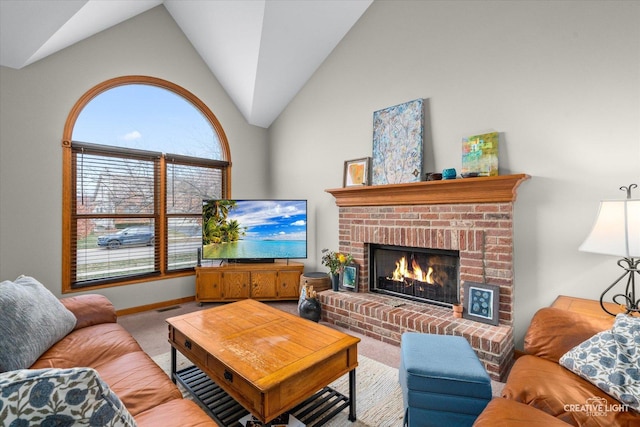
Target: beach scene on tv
x,y
254,229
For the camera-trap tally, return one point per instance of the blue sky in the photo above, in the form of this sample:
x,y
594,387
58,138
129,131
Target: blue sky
x,y
271,219
147,118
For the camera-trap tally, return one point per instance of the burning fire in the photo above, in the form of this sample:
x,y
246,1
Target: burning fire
x,y
403,272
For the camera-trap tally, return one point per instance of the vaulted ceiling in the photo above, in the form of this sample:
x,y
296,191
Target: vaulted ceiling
x,y
261,51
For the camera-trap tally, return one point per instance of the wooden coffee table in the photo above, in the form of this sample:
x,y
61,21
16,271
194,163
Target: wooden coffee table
x,y
265,359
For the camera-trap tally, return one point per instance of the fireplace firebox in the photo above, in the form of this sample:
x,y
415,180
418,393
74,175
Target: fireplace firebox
x,y
419,274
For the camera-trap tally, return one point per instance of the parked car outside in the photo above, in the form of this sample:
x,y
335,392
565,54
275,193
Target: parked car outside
x,y
128,236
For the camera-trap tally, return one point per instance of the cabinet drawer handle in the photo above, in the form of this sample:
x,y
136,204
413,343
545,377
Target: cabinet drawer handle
x,y
187,344
228,376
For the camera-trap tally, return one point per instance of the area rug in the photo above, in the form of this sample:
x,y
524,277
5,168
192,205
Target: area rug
x,y
378,396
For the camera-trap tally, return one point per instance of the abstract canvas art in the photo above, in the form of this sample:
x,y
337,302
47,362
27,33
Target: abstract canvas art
x,y
480,155
397,143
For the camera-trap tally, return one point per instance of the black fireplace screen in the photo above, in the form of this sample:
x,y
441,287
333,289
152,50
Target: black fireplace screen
x,y
415,273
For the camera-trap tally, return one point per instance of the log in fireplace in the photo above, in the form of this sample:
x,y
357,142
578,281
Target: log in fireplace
x,y
418,274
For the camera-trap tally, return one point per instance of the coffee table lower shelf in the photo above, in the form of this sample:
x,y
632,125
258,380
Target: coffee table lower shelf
x,y
313,412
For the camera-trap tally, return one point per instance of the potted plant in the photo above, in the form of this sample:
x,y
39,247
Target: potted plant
x,y
336,261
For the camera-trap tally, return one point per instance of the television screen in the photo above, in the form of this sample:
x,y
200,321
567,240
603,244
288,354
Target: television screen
x,y
254,230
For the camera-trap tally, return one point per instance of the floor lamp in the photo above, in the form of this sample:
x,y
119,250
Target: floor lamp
x,y
617,232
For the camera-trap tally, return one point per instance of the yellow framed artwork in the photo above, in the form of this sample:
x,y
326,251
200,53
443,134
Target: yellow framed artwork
x,y
356,172
480,155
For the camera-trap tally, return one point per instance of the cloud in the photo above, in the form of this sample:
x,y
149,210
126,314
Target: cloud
x,y
288,236
298,223
131,136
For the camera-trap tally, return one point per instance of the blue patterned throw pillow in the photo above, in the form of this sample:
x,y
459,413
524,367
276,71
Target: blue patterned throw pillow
x,y
61,398
610,360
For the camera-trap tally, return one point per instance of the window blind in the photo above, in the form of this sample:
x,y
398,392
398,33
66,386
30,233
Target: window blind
x,y
114,213
188,183
121,230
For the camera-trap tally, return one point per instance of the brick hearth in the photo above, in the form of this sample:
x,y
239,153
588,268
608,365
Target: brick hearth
x,y
472,216
385,318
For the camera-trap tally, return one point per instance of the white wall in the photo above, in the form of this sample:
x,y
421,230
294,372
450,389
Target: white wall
x,y
34,105
559,80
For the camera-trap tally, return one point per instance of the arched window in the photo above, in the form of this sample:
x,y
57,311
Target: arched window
x,y
139,155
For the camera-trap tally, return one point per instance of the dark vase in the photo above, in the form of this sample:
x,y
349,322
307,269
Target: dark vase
x,y
310,309
335,281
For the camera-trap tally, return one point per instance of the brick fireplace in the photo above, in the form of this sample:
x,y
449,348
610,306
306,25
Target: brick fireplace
x,y
472,216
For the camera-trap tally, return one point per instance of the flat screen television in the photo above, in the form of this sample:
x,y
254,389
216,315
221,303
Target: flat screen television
x,y
254,230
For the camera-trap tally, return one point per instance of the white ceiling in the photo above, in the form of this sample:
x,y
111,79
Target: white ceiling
x,y
261,51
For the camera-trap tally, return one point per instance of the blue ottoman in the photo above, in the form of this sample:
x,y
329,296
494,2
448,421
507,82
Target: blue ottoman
x,y
443,382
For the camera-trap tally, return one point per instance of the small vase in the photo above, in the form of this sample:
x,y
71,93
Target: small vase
x,y
335,281
310,309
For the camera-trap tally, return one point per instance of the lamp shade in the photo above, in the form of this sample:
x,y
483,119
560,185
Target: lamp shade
x,y
616,230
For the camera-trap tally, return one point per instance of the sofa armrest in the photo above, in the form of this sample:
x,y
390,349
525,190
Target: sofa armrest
x,y
90,309
554,331
502,412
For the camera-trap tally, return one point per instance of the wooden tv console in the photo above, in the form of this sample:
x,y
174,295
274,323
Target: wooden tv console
x,y
232,282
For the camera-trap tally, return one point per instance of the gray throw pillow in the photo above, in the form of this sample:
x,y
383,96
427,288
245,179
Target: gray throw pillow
x,y
32,320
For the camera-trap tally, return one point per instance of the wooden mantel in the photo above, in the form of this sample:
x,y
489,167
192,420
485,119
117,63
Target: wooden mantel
x,y
493,189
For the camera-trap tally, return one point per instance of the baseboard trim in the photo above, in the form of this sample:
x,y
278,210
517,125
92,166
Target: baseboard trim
x,y
154,306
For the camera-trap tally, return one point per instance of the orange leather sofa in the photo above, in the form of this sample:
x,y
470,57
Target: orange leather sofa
x,y
540,392
100,343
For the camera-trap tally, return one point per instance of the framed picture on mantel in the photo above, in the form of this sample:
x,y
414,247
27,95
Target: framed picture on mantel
x,y
357,172
481,302
397,143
